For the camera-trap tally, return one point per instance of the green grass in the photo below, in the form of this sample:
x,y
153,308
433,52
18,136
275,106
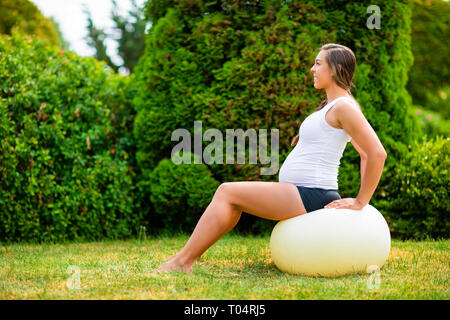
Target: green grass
x,y
236,267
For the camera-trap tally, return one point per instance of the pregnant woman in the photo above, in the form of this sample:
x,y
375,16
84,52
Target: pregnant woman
x,y
308,177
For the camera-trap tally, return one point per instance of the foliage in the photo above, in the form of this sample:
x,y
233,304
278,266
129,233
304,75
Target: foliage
x,y
85,153
64,175
433,123
129,34
95,39
429,75
180,194
24,16
417,204
64,44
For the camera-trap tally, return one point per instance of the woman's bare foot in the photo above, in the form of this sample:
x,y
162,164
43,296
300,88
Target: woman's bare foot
x,y
175,264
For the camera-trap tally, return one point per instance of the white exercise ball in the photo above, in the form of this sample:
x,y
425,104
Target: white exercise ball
x,y
331,242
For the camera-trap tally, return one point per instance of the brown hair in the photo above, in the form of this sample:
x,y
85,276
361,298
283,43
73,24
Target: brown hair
x,y
342,63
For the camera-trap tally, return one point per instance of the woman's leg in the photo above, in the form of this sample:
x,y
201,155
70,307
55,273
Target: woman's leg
x,y
269,200
218,219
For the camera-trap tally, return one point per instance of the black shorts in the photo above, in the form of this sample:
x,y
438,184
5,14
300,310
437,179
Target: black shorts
x,y
317,198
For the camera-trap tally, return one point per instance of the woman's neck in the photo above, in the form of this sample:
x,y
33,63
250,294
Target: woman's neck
x,y
334,92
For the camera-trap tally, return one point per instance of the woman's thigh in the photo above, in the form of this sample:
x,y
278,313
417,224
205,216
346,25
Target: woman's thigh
x,y
268,200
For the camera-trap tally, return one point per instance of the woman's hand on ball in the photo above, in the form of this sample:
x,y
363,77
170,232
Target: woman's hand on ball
x,y
346,203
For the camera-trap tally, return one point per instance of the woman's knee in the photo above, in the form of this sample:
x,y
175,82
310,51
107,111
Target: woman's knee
x,y
224,209
222,191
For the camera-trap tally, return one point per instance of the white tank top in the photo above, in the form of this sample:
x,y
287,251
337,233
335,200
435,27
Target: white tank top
x,y
314,161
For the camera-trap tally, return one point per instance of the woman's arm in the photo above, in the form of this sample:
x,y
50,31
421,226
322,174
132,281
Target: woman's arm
x,y
367,143
356,125
371,170
363,166
362,155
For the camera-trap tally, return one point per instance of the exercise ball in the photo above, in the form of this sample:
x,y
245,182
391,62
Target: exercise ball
x,y
331,242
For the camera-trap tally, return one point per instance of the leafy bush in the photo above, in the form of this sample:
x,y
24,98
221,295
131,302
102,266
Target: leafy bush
x,y
432,123
180,194
25,17
63,175
417,204
429,75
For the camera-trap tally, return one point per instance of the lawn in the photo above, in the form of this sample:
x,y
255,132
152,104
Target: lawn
x,y
236,267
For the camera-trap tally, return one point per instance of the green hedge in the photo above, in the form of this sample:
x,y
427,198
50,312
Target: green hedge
x,y
64,175
417,205
180,194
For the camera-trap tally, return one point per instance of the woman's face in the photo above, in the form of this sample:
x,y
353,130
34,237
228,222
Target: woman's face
x,y
323,76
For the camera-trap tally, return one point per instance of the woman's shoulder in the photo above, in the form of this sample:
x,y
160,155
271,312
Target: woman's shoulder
x,y
348,99
341,109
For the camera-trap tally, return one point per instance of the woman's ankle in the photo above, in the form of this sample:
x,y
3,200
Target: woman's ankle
x,y
184,259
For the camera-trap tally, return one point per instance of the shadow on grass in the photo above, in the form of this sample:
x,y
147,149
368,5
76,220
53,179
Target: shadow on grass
x,y
250,271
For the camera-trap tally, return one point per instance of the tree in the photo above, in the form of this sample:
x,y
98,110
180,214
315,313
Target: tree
x,y
24,16
428,78
64,44
96,40
129,32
